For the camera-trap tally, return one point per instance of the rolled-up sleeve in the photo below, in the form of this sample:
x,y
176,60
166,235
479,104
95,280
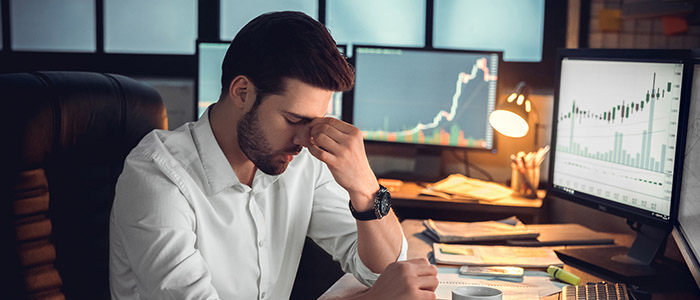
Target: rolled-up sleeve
x,y
333,228
152,239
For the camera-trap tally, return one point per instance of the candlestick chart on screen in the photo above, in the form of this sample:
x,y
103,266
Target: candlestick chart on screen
x,y
619,127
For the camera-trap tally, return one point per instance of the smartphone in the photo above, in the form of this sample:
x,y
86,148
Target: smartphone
x,y
492,271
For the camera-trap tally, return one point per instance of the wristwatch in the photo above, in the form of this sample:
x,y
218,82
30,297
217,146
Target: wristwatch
x,y
382,205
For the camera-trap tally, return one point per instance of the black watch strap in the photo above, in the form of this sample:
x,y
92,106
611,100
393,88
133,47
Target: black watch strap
x,y
382,204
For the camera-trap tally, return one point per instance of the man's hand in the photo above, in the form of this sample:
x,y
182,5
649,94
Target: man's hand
x,y
340,146
409,279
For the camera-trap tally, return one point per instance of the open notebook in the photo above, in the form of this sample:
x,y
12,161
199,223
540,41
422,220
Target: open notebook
x,y
533,285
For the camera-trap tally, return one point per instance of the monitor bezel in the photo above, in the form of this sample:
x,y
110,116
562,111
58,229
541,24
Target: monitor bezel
x,y
349,112
691,257
609,206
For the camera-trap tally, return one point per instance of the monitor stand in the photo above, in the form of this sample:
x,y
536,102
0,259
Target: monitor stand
x,y
632,264
427,168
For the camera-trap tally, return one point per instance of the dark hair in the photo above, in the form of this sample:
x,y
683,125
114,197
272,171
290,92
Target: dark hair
x,y
287,44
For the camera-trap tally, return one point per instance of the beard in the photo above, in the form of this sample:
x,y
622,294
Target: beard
x,y
252,141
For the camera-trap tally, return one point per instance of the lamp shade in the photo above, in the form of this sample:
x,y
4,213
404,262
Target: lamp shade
x,y
511,116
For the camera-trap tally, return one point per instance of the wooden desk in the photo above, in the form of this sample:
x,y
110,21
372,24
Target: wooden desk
x,y
419,245
409,204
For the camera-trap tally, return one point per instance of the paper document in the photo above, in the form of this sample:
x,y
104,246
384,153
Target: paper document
x,y
458,185
446,231
526,257
533,285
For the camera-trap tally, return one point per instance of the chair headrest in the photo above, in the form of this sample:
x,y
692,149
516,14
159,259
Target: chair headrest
x,y
76,112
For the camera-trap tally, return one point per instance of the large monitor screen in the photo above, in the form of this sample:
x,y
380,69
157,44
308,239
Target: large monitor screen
x,y
210,56
616,131
426,97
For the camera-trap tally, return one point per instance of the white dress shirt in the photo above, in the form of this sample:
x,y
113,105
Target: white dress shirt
x,y
183,227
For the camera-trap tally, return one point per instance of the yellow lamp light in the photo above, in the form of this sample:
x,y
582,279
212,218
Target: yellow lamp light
x,y
510,118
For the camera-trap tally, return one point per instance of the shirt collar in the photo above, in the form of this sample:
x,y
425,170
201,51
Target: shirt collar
x,y
217,170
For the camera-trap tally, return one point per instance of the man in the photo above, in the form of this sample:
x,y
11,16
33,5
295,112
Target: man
x,y
219,208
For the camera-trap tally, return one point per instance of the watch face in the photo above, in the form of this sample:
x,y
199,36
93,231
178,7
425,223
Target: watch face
x,y
385,206
385,201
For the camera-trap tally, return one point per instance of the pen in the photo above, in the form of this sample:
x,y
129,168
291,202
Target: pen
x,y
564,276
541,154
523,172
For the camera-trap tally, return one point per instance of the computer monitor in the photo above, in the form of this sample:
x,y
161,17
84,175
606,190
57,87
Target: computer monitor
x,y
686,229
210,56
617,135
425,97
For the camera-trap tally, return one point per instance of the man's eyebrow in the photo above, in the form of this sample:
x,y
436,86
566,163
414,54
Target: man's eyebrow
x,y
298,116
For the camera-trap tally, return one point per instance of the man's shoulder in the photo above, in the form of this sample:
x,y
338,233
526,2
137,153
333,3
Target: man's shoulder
x,y
159,142
163,149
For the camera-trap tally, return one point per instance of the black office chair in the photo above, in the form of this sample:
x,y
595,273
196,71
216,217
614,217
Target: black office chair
x,y
67,134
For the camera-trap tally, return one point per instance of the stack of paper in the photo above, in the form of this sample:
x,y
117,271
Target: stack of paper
x,y
453,232
459,186
526,257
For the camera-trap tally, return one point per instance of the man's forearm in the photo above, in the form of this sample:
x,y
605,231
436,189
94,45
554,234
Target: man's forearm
x,y
379,242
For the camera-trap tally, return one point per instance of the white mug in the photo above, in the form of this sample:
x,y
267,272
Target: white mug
x,y
476,293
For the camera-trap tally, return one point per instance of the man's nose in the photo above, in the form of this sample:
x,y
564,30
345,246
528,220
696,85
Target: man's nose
x,y
302,136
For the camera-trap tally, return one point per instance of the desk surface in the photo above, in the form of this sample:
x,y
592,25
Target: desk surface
x,y
419,245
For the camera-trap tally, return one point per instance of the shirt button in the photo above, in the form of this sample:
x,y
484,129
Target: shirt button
x,y
262,295
261,243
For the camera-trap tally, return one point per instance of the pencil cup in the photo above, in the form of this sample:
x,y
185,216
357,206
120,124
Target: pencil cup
x,y
524,180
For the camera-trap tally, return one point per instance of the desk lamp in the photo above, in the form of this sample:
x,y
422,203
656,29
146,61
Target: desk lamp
x,y
510,117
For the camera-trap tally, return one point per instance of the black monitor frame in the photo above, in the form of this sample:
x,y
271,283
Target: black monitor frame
x,y
633,263
690,255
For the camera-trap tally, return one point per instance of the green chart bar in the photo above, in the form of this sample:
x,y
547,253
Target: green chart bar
x,y
642,159
619,149
615,147
663,156
651,124
571,137
454,134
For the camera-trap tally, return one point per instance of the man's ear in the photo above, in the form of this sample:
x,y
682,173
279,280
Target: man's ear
x,y
239,89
